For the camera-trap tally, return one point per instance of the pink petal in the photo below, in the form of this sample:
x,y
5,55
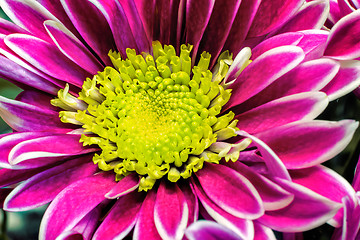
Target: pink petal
x,y
313,43
344,41
272,14
306,144
121,218
43,187
124,186
256,77
171,211
227,188
308,210
7,27
145,226
192,203
10,176
73,203
210,230
302,106
46,58
262,232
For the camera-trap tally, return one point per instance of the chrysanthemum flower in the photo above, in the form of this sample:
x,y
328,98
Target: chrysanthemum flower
x,y
174,126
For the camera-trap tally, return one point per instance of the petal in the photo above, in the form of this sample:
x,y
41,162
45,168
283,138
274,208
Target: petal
x,y
43,187
344,41
92,26
25,117
227,188
306,144
73,203
124,186
145,226
272,14
7,27
46,58
345,81
71,47
255,77
171,211
313,43
121,218
273,196
297,107
209,230
45,150
192,202
308,210
262,232
9,176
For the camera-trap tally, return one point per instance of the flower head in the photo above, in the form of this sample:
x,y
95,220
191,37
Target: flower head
x,y
171,122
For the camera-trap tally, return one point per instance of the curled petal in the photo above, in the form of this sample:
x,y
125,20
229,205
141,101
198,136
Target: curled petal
x,y
209,230
124,186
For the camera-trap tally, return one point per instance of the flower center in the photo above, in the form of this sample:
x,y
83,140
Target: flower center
x,y
154,114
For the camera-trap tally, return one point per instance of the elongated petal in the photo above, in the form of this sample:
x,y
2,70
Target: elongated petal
x,y
302,106
145,226
10,176
306,144
43,187
7,27
192,203
272,14
46,58
121,218
213,178
45,150
29,15
73,203
313,43
171,211
272,195
25,117
71,47
124,186
210,230
342,45
255,77
262,232
345,81
308,210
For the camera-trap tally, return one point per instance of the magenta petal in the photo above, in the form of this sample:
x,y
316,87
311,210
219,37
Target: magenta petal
x,y
227,188
272,14
45,150
121,218
73,203
263,71
306,144
344,38
71,47
145,226
209,230
346,80
192,202
313,43
10,176
46,58
29,15
43,187
308,210
171,211
124,186
7,27
302,106
273,196
351,220
262,232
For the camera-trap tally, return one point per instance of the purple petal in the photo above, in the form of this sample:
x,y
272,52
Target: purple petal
x,y
306,144
192,202
272,195
42,151
29,15
344,41
313,43
46,58
227,188
302,106
347,79
255,77
73,203
43,187
9,176
351,220
262,232
92,26
121,218
209,230
124,186
145,226
71,47
7,27
36,98
171,211
308,210
272,14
